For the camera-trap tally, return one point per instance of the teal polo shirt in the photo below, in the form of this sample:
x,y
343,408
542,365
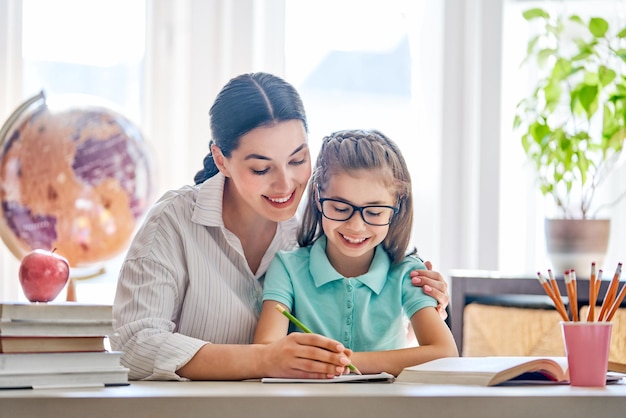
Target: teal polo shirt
x,y
364,313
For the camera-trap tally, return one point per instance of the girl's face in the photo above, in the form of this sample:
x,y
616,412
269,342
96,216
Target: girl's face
x,y
354,240
269,170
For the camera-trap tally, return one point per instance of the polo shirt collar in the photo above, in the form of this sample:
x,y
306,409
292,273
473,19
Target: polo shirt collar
x,y
323,272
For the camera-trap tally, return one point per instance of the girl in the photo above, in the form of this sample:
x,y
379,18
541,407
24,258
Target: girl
x,y
350,279
189,291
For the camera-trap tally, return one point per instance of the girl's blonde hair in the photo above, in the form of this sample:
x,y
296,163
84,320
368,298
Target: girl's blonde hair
x,y
351,150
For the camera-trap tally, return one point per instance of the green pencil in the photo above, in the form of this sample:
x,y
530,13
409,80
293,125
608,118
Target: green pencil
x,y
304,328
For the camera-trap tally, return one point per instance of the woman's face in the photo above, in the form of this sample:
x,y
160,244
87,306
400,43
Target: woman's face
x,y
270,169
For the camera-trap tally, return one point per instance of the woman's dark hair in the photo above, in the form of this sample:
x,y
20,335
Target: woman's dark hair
x,y
247,102
348,152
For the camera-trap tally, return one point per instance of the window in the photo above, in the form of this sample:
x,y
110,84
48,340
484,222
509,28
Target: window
x,y
358,64
97,51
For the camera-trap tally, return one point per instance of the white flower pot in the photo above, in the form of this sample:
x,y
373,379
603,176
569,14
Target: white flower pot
x,y
576,243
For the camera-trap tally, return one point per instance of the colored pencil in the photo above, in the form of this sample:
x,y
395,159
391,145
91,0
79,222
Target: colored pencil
x,y
573,303
557,293
558,304
570,294
592,295
611,292
304,328
616,303
598,284
568,287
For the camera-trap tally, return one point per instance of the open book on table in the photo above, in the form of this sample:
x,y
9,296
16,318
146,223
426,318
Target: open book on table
x,y
491,371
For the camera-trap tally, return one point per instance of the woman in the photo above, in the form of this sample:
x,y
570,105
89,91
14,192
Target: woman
x,y
189,291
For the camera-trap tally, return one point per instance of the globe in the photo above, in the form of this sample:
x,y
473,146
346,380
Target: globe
x,y
75,179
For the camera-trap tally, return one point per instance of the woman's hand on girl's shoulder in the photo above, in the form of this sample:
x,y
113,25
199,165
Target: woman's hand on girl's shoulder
x,y
433,284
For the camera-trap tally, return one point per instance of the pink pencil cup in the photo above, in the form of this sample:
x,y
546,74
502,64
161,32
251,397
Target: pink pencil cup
x,y
587,349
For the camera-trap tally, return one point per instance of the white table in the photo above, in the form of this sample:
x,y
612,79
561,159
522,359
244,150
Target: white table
x,y
255,399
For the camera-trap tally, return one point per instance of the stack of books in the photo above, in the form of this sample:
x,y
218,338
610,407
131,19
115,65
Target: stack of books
x,y
57,345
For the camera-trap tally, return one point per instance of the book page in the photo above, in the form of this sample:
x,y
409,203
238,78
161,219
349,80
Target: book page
x,y
483,371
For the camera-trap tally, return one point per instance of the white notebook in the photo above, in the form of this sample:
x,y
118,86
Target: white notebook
x,y
345,378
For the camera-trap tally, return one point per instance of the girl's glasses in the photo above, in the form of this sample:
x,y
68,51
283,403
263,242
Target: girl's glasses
x,y
339,210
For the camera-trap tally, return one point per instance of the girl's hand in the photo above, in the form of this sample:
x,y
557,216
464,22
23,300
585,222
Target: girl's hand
x,y
309,356
433,284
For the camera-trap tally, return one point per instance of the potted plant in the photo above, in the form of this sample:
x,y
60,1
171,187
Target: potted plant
x,y
573,126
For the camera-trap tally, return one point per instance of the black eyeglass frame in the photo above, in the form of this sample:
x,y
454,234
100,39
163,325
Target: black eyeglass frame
x,y
355,209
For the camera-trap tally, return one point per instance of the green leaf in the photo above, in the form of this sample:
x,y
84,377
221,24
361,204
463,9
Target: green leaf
x,y
620,88
616,141
621,34
554,29
598,27
591,78
606,75
526,142
577,19
517,122
610,123
543,56
539,131
582,165
531,44
552,92
583,54
535,13
561,70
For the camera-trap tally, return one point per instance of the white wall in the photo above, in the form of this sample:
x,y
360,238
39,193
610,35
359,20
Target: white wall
x,y
10,96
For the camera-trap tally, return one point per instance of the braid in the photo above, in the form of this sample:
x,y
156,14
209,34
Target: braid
x,y
209,170
351,150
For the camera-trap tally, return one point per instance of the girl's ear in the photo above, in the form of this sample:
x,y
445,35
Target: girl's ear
x,y
220,160
316,195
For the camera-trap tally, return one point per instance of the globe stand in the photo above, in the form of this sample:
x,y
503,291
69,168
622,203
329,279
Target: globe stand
x,y
81,273
84,273
70,296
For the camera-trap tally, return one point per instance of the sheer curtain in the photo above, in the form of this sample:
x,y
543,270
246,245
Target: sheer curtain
x,y
10,97
192,48
471,106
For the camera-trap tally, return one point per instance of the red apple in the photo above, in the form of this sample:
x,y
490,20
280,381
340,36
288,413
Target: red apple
x,y
43,274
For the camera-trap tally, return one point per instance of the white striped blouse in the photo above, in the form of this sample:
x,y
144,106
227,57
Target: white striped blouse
x,y
185,281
